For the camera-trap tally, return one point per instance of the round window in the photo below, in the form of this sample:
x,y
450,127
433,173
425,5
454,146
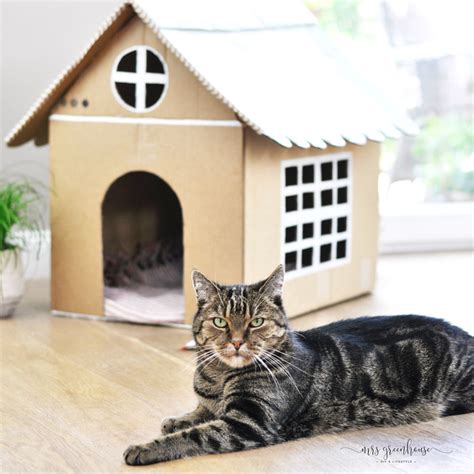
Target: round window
x,y
139,78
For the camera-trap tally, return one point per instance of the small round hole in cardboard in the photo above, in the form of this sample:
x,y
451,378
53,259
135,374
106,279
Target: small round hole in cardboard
x,y
85,103
73,102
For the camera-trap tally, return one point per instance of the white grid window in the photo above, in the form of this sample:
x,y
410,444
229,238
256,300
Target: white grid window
x,y
316,210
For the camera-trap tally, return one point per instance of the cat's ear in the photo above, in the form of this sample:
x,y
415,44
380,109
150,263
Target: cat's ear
x,y
205,289
272,287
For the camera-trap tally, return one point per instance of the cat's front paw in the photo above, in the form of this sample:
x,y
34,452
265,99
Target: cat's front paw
x,y
171,425
138,455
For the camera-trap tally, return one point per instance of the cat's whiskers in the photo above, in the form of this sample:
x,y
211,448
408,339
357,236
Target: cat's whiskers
x,y
203,351
258,363
191,365
207,362
279,363
288,354
291,365
206,357
277,384
205,354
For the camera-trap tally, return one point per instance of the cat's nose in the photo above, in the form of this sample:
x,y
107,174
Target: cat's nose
x,y
237,343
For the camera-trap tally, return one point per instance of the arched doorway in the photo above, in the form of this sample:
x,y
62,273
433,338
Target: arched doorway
x,y
142,236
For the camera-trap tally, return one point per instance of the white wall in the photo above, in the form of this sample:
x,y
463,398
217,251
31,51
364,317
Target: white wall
x,y
38,40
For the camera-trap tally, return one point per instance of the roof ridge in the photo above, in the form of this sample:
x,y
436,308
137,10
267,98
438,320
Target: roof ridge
x,y
239,30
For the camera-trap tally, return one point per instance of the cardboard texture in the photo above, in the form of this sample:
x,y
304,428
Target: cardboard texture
x,y
221,175
263,224
211,212
185,97
86,158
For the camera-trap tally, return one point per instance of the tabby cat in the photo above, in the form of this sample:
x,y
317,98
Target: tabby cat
x,y
260,383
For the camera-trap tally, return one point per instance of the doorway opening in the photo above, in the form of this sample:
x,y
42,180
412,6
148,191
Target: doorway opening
x,y
142,237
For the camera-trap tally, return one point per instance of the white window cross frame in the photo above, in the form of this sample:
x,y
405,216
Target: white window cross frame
x,y
140,78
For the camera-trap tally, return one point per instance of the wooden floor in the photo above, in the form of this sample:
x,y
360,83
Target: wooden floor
x,y
75,393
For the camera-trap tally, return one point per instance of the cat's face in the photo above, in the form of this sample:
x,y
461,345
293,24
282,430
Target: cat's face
x,y
239,323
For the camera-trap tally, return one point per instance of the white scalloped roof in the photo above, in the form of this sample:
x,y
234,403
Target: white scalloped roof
x,y
265,59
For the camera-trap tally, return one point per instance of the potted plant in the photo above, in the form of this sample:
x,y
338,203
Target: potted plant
x,y
20,223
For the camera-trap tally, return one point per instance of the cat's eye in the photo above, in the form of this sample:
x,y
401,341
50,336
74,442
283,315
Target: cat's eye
x,y
219,323
256,322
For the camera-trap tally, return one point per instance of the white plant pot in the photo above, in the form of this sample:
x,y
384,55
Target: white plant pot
x,y
12,281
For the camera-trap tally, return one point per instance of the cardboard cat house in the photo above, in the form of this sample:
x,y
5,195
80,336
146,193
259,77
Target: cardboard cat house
x,y
223,136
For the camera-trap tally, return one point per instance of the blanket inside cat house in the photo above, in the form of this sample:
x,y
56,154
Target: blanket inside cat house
x,y
223,136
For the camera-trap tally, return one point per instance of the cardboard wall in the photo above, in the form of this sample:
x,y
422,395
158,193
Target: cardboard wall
x,y
204,168
263,224
202,165
185,97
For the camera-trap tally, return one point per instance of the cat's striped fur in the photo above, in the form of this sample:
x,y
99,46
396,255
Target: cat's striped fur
x,y
283,384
